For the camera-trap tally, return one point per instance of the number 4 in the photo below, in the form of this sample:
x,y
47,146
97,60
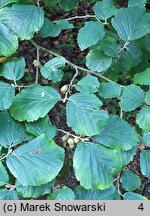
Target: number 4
x,y
141,207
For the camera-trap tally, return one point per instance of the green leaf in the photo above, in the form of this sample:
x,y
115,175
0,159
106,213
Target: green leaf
x,y
50,4
7,94
117,134
84,41
34,103
88,84
94,165
37,162
144,163
6,2
52,69
146,43
132,97
110,47
41,126
147,97
84,115
107,194
64,193
128,58
105,9
139,3
98,61
8,194
110,90
24,1
13,69
143,119
143,65
33,191
133,196
68,5
53,29
8,41
110,74
12,132
24,26
127,156
142,78
130,181
91,1
146,139
131,23
64,24
49,29
3,175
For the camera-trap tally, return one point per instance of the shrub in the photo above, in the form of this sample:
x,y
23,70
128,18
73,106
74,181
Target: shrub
x,y
102,103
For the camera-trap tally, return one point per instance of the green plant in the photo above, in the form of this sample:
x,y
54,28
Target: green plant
x,y
65,5
100,145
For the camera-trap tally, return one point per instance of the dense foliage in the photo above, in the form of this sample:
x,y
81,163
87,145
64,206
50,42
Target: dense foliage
x,y
104,101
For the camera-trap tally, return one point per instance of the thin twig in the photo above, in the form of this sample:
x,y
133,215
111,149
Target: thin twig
x,y
15,83
124,46
121,113
70,85
6,155
10,187
38,3
71,64
118,185
106,23
85,17
98,20
81,17
115,179
22,86
69,134
37,67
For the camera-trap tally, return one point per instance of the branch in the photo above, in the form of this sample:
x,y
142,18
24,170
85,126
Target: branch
x,y
81,17
121,113
6,155
38,3
69,134
22,86
10,187
38,64
124,46
70,86
118,185
71,64
87,17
